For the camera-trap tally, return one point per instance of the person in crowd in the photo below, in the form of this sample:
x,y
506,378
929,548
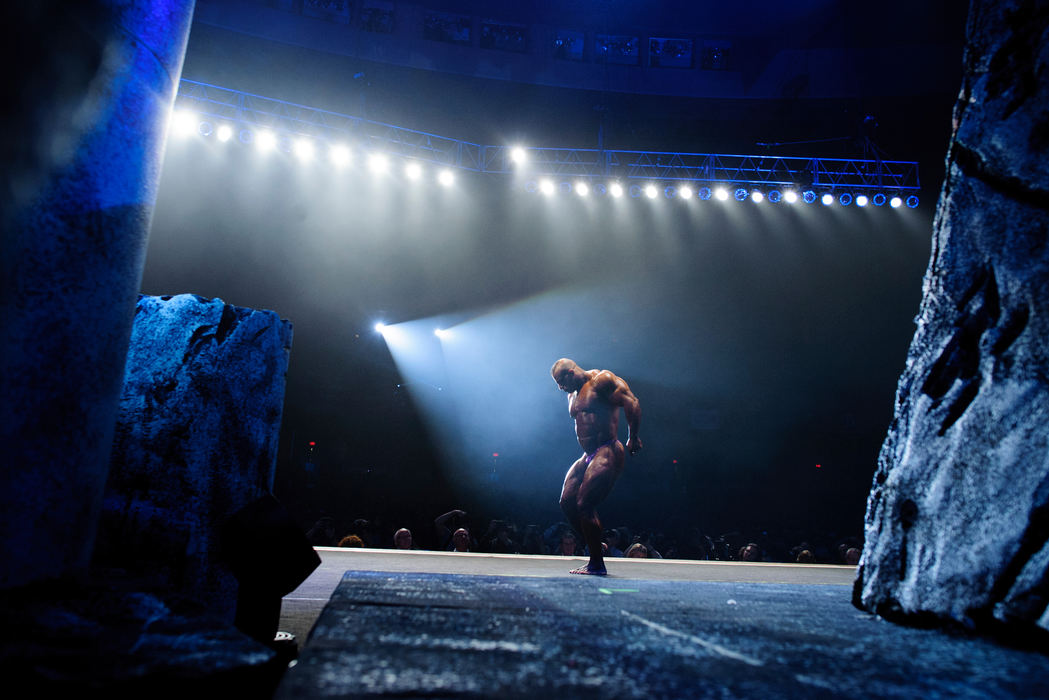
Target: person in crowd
x,y
446,525
595,397
402,539
751,552
322,534
461,540
637,551
351,541
568,546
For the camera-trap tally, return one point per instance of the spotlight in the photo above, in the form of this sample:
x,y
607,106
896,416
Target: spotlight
x,y
651,192
721,193
246,136
809,196
413,171
182,122
224,133
879,199
790,196
378,163
446,177
756,196
440,332
827,199
582,189
861,200
546,187
845,199
518,155
740,194
912,201
616,190
685,192
704,193
895,202
775,196
669,191
380,327
265,141
205,128
303,149
340,155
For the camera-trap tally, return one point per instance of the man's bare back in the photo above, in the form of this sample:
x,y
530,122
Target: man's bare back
x,y
595,397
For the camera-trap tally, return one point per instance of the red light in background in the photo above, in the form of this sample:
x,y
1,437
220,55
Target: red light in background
x,y
818,466
495,454
312,443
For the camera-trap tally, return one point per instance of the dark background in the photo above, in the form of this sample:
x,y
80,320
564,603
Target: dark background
x,y
763,341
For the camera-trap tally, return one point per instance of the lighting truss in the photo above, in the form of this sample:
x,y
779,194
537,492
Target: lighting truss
x,y
256,112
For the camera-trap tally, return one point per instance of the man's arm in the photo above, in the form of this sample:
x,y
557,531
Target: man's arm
x,y
618,393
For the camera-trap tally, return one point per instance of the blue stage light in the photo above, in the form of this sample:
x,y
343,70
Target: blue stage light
x,y
600,189
205,128
266,141
912,201
704,193
879,199
635,191
565,188
845,199
809,196
669,191
740,194
182,122
775,196
531,186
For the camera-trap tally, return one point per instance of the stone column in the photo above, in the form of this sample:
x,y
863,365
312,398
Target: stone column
x,y
76,204
957,522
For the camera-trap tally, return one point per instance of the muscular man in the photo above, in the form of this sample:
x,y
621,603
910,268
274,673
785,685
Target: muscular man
x,y
595,397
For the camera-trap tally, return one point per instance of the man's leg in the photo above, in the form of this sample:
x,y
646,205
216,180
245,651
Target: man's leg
x,y
570,494
597,483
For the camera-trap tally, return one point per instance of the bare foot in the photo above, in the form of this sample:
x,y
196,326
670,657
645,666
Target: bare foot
x,y
586,570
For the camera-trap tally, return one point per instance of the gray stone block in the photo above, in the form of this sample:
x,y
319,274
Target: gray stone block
x,y
196,441
957,524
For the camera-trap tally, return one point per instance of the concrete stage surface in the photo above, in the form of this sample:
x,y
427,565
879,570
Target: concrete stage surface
x,y
434,624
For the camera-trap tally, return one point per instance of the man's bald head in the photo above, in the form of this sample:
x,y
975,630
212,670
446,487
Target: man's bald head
x,y
568,375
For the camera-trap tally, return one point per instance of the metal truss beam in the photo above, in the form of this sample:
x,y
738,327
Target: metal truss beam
x,y
289,119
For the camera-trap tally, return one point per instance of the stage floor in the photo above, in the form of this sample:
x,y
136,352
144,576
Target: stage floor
x,y
427,624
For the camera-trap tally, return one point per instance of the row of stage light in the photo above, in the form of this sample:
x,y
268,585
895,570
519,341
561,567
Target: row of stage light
x,y
186,123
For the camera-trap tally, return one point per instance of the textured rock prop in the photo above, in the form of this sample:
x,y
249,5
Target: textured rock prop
x,y
957,523
196,441
89,101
